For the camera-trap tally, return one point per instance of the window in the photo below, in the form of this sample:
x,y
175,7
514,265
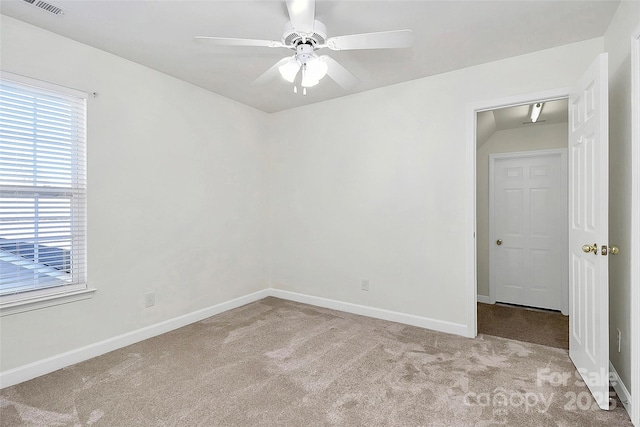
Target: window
x,y
42,193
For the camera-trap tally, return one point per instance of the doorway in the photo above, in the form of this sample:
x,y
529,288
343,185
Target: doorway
x,y
521,213
588,142
475,132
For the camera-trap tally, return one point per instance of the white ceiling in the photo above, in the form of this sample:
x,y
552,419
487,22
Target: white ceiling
x,y
447,35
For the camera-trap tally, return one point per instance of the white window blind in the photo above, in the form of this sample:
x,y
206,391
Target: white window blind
x,y
42,189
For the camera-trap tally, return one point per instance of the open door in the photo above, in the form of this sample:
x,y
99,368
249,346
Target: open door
x,y
588,229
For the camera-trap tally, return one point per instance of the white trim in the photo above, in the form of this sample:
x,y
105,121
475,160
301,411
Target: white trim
x,y
484,299
554,152
635,227
471,254
620,388
470,192
29,81
378,313
20,306
45,366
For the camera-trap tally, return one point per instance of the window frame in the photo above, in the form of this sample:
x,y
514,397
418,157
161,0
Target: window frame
x,y
27,300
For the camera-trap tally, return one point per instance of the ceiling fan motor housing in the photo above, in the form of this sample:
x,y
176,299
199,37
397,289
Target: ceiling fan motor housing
x,y
304,52
293,38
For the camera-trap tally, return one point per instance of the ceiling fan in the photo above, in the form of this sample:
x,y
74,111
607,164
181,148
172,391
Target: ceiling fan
x,y
304,35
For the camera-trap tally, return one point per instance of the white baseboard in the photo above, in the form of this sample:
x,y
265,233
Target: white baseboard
x,y
50,364
378,313
620,388
484,299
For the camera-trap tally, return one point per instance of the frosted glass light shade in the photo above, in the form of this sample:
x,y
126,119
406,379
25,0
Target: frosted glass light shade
x,y
289,70
316,68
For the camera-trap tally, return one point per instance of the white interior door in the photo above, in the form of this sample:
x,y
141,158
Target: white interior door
x,y
528,211
588,229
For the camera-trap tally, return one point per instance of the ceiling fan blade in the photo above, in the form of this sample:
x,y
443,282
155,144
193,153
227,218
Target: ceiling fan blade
x,y
226,41
339,74
271,73
302,14
381,40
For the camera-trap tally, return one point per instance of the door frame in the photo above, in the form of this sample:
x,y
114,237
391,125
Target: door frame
x,y
635,227
472,110
559,152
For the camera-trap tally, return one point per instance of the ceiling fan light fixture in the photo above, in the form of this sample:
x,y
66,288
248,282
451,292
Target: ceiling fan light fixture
x,y
289,70
308,78
316,68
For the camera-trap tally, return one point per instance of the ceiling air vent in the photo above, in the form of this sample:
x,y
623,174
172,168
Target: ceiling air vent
x,y
49,7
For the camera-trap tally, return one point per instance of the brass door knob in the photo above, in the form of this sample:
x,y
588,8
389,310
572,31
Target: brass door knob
x,y
590,248
498,242
614,250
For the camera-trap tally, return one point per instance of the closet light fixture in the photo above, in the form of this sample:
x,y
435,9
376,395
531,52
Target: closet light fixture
x,y
536,109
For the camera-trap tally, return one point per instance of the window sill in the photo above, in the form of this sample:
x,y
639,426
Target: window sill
x,y
45,301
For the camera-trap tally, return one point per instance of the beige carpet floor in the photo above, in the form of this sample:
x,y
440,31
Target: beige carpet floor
x,y
279,363
535,326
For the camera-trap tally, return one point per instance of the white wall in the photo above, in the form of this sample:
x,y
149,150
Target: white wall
x,y
366,186
534,137
618,43
176,196
373,185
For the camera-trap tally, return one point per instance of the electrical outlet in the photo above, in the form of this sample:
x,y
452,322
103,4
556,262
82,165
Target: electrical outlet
x,y
364,284
619,339
149,299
